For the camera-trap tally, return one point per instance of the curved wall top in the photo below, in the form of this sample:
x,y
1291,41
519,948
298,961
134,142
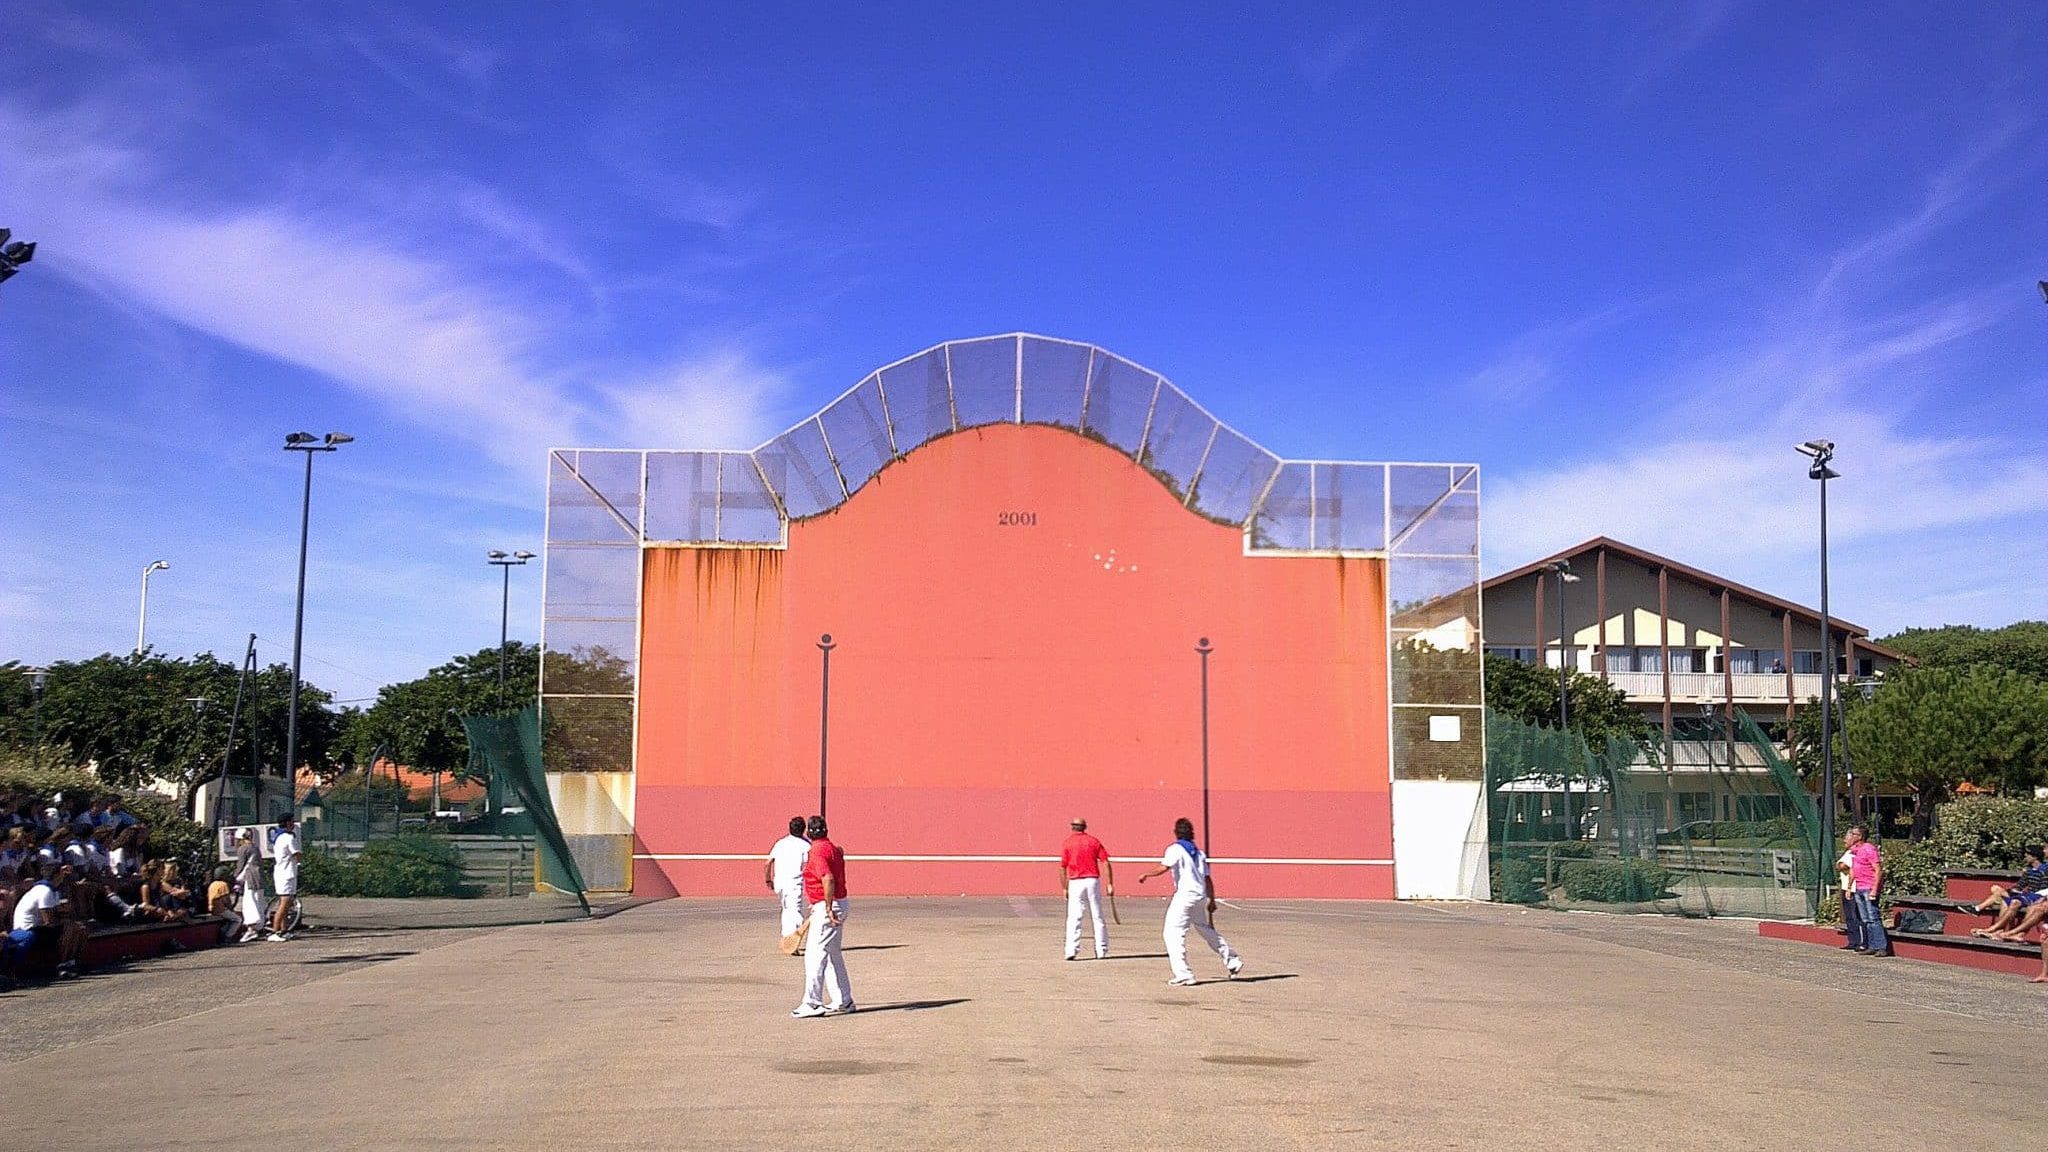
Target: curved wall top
x,y
748,498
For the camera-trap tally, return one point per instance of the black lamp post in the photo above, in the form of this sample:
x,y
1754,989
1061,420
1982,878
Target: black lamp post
x,y
1822,453
1203,650
515,560
309,444
37,677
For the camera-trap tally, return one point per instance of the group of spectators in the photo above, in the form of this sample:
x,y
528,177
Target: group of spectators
x,y
69,865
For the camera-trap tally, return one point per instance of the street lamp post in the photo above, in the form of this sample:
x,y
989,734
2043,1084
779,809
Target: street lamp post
x,y
309,444
1562,568
142,617
1822,453
1203,649
37,677
499,558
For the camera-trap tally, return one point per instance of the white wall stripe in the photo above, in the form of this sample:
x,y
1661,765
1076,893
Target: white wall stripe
x,y
758,856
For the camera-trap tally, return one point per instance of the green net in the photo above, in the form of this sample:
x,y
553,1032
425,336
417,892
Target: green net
x,y
505,751
1711,823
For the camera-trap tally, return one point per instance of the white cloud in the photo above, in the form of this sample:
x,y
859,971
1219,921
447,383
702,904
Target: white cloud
x,y
377,305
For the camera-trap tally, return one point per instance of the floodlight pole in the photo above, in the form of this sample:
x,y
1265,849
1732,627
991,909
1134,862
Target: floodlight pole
x,y
825,646
1822,453
499,558
302,442
1562,569
1203,649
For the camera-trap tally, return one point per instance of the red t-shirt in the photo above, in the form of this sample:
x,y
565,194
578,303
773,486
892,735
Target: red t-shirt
x,y
825,859
1081,856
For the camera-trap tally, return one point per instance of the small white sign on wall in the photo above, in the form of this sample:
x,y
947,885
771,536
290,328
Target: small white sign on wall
x,y
1445,729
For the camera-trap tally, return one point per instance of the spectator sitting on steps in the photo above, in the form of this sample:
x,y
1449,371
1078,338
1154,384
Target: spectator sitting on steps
x,y
2012,903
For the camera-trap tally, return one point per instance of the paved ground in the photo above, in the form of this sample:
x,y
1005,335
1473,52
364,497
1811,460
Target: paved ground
x,y
1362,1026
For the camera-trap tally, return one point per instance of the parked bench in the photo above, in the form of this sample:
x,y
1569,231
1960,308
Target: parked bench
x,y
118,943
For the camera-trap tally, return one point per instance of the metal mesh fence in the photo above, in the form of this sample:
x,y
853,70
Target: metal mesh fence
x,y
1715,824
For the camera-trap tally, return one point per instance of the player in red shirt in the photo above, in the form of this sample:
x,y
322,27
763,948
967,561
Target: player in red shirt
x,y
825,887
1084,869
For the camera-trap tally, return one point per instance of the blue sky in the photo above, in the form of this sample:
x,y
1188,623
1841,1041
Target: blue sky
x,y
1622,255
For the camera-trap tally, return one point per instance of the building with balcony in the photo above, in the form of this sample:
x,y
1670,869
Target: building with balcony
x,y
1684,645
1675,638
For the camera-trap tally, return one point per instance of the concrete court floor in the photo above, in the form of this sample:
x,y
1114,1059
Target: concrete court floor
x,y
1358,1026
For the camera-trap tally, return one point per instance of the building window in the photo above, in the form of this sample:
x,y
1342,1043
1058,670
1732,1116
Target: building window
x,y
1695,806
1649,659
1688,659
1524,655
1757,661
1759,807
1621,659
1806,662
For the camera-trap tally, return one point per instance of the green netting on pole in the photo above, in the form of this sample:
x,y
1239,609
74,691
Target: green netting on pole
x,y
1712,823
506,751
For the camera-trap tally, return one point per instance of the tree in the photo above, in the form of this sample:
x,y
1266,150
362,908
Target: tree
x,y
1597,709
139,718
2020,648
1930,729
418,723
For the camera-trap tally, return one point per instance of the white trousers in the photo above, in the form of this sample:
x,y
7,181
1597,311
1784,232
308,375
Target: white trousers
x,y
252,905
822,956
1085,895
1184,912
792,908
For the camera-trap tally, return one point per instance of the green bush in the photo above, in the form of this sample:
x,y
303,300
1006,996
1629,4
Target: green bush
x,y
399,866
1517,882
1974,832
1614,881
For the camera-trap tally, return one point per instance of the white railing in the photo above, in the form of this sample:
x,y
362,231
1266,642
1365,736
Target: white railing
x,y
1712,686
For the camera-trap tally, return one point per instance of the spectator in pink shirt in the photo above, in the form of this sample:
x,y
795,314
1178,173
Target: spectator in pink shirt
x,y
1859,903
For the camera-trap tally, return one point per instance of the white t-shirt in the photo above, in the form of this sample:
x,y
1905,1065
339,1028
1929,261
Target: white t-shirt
x,y
1190,869
284,874
788,856
32,902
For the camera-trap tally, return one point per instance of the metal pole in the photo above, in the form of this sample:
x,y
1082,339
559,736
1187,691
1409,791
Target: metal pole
x,y
1827,683
234,722
1564,717
825,646
1203,649
291,723
504,616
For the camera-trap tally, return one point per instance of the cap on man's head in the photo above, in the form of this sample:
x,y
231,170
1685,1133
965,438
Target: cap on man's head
x,y
1078,824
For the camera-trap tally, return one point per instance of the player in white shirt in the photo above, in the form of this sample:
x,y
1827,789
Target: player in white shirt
x,y
284,875
1191,887
784,872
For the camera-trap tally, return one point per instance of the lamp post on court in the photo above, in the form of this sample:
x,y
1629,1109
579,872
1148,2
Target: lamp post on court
x,y
1203,649
825,646
1822,453
309,444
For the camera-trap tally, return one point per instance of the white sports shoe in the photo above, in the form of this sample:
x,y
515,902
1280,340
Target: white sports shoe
x,y
1234,967
1187,983
805,1012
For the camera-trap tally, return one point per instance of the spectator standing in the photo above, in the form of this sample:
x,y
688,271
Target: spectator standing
x,y
249,877
784,872
284,875
1866,881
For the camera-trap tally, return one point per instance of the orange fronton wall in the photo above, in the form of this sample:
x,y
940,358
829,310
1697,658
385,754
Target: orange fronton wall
x,y
1015,610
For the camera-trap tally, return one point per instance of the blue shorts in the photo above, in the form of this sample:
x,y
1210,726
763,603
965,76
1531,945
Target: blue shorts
x,y
2025,899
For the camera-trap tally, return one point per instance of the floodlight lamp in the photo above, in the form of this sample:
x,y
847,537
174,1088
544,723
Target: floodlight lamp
x,y
337,439
159,566
1567,577
6,234
1818,449
496,553
522,555
296,439
19,252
